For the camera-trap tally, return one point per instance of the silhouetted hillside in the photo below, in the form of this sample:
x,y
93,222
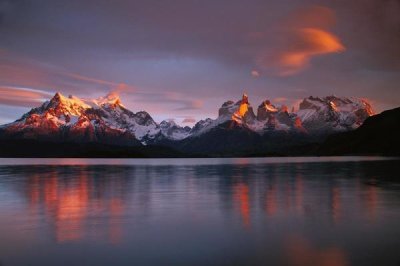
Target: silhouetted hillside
x,y
379,135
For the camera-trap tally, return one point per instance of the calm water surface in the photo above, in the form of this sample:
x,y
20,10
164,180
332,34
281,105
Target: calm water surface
x,y
276,211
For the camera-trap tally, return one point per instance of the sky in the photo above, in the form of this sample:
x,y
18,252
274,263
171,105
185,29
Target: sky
x,y
181,59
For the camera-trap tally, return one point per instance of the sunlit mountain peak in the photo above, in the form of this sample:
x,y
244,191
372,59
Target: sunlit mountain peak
x,y
67,105
111,98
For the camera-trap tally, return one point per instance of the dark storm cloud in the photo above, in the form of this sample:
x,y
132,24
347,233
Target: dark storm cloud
x,y
282,48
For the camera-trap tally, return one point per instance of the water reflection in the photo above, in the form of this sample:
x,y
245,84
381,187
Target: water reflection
x,y
302,213
73,198
335,205
300,252
371,199
271,200
241,196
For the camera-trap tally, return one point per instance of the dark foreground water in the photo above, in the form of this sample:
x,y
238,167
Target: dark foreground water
x,y
278,211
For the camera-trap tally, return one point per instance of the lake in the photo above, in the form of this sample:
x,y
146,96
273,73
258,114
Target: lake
x,y
243,211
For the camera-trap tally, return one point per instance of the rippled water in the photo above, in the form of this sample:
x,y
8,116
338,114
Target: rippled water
x,y
275,211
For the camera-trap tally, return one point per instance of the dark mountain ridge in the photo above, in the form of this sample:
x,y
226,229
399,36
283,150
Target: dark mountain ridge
x,y
378,135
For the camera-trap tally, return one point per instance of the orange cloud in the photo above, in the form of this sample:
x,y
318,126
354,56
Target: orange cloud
x,y
299,38
313,42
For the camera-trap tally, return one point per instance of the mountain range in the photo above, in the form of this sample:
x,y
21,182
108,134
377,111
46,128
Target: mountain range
x,y
238,130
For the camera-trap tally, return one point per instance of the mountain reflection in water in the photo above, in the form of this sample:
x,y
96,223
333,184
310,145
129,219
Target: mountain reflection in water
x,y
339,213
74,197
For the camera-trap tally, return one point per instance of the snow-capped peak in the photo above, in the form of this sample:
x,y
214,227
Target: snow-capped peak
x,y
173,131
333,112
110,99
268,106
168,123
67,105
